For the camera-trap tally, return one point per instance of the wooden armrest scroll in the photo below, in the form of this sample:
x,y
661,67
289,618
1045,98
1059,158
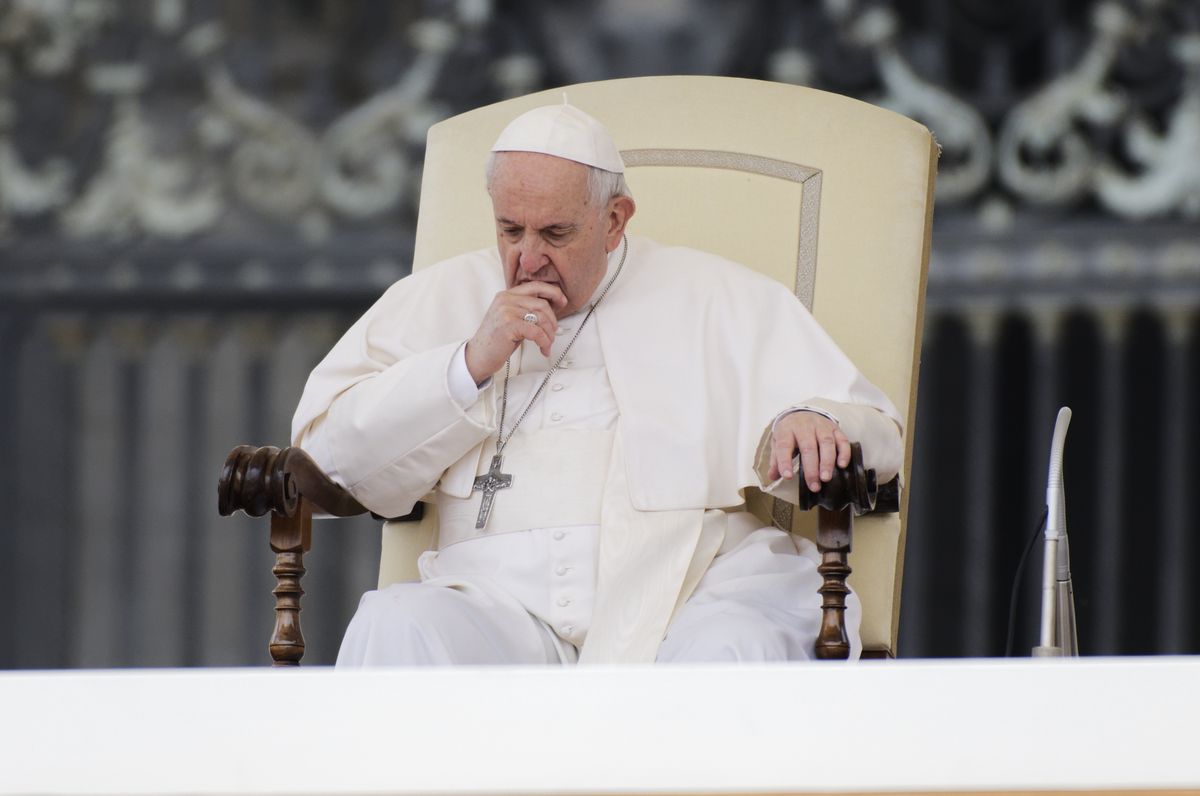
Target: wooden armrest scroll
x,y
851,493
288,484
258,480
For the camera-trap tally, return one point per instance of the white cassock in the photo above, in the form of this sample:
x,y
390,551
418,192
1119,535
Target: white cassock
x,y
623,523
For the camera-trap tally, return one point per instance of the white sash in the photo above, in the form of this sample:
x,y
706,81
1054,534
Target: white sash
x,y
557,477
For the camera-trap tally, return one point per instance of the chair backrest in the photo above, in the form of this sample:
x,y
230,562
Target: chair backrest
x,y
831,196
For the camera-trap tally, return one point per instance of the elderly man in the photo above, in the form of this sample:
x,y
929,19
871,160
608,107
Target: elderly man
x,y
585,409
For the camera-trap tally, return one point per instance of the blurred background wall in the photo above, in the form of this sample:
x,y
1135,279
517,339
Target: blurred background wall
x,y
198,196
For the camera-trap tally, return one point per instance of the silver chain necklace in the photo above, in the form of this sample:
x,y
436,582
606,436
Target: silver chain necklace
x,y
493,480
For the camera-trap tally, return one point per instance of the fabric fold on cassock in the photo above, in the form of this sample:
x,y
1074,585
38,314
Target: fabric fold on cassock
x,y
644,559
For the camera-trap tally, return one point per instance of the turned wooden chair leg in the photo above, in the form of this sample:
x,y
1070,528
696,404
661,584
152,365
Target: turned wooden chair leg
x,y
833,541
291,537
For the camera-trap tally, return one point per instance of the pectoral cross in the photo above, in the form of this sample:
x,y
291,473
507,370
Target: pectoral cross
x,y
490,482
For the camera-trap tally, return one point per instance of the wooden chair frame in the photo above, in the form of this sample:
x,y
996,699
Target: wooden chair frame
x,y
288,484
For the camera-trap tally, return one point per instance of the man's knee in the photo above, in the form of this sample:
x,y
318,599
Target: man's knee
x,y
404,603
414,624
725,637
396,625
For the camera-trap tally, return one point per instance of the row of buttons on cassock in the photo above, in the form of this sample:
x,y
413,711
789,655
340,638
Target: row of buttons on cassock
x,y
562,570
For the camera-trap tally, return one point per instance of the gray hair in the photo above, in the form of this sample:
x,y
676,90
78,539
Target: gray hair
x,y
602,186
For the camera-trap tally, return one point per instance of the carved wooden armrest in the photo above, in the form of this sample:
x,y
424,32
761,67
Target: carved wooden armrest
x,y
258,480
288,484
851,493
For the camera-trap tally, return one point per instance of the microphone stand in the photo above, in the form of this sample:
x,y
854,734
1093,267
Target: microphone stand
x,y
1058,632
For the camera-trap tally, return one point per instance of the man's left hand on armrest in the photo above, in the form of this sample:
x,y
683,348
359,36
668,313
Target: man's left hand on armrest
x,y
820,441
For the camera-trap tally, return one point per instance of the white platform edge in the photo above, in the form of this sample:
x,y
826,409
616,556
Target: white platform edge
x,y
904,726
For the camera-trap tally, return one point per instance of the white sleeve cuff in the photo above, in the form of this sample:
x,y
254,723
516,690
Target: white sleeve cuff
x,y
463,388
803,408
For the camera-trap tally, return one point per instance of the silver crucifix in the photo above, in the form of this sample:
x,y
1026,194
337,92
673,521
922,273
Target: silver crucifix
x,y
490,482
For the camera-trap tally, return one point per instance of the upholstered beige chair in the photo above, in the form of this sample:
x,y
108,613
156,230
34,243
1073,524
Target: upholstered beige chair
x,y
831,196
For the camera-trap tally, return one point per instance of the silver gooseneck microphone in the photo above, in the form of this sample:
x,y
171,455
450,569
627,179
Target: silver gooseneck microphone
x,y
1058,634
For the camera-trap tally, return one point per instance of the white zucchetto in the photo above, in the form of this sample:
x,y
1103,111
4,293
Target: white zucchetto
x,y
563,131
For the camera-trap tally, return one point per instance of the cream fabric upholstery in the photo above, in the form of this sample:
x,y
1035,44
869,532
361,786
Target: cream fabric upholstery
x,y
829,195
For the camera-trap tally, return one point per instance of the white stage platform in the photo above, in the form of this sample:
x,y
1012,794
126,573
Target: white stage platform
x,y
908,726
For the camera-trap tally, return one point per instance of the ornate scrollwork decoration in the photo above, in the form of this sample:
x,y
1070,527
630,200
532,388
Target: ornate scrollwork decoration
x,y
359,167
363,171
1169,162
364,168
24,191
274,160
137,190
1041,156
50,33
253,152
960,130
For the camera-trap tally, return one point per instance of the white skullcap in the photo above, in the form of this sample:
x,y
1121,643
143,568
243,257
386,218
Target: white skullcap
x,y
563,131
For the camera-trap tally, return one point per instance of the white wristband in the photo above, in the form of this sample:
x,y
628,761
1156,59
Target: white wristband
x,y
459,381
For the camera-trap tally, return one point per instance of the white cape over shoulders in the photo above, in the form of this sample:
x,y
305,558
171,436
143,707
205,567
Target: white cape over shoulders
x,y
701,353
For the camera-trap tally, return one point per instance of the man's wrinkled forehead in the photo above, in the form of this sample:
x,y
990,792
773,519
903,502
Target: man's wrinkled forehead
x,y
527,177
